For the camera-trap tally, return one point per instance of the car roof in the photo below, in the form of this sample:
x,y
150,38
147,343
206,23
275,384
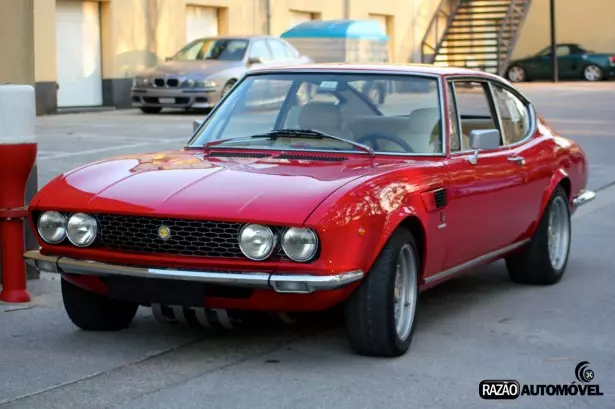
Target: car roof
x,y
233,37
381,68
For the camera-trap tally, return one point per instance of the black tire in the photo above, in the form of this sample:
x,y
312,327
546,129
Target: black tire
x,y
151,110
533,264
94,312
369,311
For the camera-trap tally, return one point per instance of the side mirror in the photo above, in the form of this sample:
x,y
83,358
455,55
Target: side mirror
x,y
254,60
196,124
483,139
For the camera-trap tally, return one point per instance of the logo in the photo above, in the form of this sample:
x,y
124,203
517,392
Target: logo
x,y
583,372
495,389
164,232
512,389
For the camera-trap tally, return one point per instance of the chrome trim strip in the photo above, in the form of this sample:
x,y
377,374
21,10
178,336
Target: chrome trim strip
x,y
582,198
252,279
475,262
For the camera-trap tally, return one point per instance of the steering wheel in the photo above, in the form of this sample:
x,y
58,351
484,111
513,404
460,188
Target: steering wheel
x,y
373,137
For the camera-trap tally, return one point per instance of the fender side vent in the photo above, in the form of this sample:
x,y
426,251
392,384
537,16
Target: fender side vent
x,y
439,197
298,156
239,154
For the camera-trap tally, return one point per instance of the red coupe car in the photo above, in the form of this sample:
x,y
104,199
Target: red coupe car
x,y
286,200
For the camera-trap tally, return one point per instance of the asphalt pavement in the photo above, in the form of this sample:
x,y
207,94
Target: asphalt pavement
x,y
478,326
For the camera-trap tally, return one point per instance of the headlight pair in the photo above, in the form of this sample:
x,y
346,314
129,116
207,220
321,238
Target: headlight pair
x,y
140,82
79,228
258,242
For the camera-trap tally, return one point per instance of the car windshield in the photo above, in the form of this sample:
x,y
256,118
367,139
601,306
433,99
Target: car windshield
x,y
388,113
213,49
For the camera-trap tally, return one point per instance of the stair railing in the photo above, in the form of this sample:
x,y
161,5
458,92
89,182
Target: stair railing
x,y
435,33
510,27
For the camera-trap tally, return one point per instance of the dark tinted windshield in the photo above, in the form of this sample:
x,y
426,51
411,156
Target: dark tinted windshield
x,y
213,49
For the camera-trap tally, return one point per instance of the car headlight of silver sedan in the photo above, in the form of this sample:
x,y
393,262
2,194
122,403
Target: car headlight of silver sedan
x,y
140,82
257,241
51,227
198,83
81,229
300,244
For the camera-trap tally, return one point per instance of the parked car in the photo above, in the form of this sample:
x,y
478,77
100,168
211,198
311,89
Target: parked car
x,y
573,62
307,205
202,72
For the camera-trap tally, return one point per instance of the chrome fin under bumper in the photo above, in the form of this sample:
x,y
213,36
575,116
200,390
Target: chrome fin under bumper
x,y
582,198
281,283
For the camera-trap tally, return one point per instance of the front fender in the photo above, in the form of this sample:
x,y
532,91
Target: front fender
x,y
357,222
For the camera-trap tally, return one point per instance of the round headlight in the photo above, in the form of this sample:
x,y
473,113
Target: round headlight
x,y
256,241
81,229
300,244
52,227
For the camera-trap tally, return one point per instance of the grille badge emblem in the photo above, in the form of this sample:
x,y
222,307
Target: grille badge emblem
x,y
164,232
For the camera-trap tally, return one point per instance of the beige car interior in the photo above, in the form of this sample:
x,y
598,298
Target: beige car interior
x,y
420,130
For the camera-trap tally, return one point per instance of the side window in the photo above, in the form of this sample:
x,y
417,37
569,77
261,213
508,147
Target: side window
x,y
278,50
260,50
290,51
453,129
474,109
562,51
514,115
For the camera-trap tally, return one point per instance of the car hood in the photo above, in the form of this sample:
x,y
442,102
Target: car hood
x,y
186,184
187,68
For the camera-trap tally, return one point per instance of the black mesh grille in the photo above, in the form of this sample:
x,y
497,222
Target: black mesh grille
x,y
300,156
187,237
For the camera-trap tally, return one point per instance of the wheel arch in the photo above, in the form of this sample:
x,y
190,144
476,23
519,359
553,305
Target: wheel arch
x,y
414,224
559,179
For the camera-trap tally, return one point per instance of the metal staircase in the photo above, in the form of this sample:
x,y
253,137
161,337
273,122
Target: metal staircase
x,y
474,33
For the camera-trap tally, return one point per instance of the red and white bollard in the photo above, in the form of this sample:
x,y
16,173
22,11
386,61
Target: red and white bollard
x,y
17,157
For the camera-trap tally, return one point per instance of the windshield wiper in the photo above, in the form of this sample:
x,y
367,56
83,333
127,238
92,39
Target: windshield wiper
x,y
310,134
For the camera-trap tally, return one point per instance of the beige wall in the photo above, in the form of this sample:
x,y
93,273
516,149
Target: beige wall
x,y
140,33
589,23
17,42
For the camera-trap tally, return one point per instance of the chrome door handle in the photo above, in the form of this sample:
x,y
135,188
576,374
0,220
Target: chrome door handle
x,y
519,160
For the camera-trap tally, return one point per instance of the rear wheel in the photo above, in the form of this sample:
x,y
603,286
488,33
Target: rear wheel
x,y
151,110
544,260
380,314
96,312
593,73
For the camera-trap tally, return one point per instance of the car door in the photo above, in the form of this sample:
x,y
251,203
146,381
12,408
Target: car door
x,y
529,154
481,214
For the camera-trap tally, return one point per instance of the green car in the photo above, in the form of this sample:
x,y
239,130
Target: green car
x,y
573,62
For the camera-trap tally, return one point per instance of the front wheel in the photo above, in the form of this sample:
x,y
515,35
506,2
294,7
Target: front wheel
x,y
544,260
380,314
516,74
95,312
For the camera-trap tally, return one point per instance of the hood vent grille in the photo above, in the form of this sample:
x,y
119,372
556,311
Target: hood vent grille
x,y
239,154
299,156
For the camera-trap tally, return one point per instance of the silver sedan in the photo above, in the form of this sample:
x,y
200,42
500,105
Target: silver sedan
x,y
202,72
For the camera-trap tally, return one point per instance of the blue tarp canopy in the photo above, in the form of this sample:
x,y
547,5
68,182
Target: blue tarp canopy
x,y
356,29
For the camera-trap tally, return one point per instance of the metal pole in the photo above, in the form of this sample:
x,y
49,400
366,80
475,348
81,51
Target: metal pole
x,y
553,42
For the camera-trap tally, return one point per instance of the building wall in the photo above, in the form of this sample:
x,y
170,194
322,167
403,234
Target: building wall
x,y
589,23
141,33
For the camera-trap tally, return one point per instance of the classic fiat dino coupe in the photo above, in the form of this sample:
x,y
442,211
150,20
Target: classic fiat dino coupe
x,y
298,193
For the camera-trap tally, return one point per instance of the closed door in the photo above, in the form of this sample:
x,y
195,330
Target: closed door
x,y
201,22
78,55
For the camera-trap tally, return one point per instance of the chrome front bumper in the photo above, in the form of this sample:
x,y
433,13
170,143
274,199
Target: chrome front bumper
x,y
584,197
281,283
175,97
